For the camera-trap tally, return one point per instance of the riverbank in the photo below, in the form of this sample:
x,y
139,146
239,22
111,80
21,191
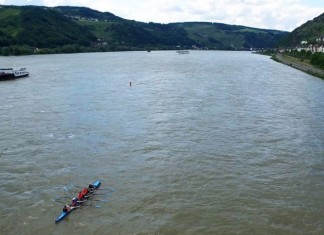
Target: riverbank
x,y
296,63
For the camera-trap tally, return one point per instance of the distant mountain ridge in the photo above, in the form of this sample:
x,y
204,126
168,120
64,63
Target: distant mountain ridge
x,y
309,31
202,34
231,37
29,29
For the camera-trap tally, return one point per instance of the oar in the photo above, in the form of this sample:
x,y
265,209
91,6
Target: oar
x,y
102,194
95,200
58,201
96,206
65,197
70,199
111,189
66,188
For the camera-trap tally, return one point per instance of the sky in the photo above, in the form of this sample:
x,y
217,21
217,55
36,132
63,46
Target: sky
x,y
269,14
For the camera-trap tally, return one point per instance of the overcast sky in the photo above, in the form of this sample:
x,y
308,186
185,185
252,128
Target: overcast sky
x,y
271,14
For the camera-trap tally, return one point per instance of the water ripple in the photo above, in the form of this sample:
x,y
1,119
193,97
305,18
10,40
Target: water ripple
x,y
206,143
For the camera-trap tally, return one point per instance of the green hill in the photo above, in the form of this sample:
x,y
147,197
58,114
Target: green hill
x,y
38,27
230,37
309,32
202,34
78,29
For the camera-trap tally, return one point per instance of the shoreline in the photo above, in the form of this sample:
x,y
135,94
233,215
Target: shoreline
x,y
295,63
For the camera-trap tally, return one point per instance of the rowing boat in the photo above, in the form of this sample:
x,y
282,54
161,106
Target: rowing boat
x,y
66,213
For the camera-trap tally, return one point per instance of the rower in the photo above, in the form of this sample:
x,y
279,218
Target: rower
x,y
66,208
80,196
74,202
86,193
91,188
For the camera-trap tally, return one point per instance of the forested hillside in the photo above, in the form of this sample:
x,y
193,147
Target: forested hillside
x,y
230,37
25,28
31,29
309,32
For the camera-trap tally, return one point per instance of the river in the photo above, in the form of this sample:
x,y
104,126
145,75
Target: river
x,y
208,142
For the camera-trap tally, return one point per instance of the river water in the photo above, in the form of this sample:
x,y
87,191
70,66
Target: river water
x,y
204,143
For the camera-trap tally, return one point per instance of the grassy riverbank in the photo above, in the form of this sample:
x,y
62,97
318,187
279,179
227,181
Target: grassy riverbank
x,y
300,64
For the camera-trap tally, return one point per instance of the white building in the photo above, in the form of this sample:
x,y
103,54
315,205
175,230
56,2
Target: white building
x,y
320,39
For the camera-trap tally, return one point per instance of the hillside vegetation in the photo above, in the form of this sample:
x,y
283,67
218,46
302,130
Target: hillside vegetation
x,y
230,37
25,28
31,29
309,31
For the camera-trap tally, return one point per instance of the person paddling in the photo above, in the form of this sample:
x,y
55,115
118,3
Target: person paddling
x,y
75,202
91,188
66,208
80,196
86,193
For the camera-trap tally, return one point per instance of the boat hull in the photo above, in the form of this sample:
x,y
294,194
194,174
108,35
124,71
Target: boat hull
x,y
10,74
5,77
63,215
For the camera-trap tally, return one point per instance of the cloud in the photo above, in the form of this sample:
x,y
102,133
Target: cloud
x,y
279,14
53,3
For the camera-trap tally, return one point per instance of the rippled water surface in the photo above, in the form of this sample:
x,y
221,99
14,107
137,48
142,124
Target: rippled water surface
x,y
203,143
